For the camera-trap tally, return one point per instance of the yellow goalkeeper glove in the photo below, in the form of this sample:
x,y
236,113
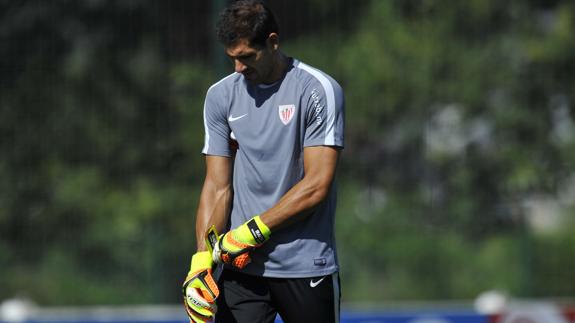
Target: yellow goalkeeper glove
x,y
233,247
200,289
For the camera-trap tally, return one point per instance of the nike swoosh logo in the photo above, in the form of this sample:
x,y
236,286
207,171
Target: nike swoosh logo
x,y
232,118
313,284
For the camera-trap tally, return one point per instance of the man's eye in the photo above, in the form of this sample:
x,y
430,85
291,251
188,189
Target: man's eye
x,y
241,58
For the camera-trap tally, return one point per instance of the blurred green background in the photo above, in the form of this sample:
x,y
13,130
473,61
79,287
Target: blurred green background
x,y
458,174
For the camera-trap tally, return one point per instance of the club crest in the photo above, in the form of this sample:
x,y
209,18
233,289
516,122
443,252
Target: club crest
x,y
286,113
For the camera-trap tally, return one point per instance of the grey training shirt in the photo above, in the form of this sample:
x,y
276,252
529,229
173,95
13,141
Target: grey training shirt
x,y
272,125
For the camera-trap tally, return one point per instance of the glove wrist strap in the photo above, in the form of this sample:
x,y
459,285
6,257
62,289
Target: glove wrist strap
x,y
260,232
254,232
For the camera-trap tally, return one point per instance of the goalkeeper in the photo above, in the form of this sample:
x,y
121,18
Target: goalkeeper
x,y
273,135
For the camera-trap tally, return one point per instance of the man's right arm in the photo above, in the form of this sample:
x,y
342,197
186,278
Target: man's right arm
x,y
215,199
200,289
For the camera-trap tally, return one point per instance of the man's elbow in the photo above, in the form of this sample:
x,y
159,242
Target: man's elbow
x,y
319,193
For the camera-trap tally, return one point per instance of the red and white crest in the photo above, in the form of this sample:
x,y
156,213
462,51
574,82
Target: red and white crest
x,y
286,113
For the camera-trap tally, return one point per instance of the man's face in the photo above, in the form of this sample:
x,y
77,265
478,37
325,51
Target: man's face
x,y
256,64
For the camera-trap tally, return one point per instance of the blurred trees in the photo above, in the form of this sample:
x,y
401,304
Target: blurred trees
x,y
98,176
459,126
459,121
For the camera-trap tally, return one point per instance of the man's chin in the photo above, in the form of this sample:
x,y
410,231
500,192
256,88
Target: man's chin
x,y
251,77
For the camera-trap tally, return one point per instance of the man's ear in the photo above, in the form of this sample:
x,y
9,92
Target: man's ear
x,y
273,42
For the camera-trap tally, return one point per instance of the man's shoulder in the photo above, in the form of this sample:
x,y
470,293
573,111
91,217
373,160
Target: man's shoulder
x,y
224,85
312,76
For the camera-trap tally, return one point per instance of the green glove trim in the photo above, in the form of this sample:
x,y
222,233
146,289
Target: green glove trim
x,y
254,232
201,260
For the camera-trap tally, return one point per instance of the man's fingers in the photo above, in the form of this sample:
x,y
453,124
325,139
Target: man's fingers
x,y
231,252
198,308
242,260
200,292
197,301
198,318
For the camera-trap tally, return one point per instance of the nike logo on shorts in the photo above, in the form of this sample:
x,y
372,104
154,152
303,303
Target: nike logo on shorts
x,y
313,284
232,118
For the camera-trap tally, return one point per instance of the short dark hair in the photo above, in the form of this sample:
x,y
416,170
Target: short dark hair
x,y
246,19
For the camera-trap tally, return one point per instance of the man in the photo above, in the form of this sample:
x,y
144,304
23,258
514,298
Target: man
x,y
275,194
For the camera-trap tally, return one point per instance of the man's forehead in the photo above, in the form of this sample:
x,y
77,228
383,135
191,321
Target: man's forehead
x,y
240,47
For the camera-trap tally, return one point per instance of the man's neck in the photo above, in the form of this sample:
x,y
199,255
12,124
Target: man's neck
x,y
280,67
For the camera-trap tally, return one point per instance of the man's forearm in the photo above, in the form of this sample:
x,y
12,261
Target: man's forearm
x,y
215,199
214,209
320,164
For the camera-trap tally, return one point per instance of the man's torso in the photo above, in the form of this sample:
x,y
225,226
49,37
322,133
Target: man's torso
x,y
272,125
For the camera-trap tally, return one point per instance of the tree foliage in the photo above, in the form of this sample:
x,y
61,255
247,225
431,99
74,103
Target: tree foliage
x,y
458,119
459,116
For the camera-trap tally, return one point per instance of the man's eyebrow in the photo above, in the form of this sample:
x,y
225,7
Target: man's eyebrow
x,y
241,55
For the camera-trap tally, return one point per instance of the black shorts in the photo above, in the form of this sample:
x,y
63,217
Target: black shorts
x,y
254,299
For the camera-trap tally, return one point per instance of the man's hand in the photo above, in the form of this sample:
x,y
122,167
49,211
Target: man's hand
x,y
233,247
200,289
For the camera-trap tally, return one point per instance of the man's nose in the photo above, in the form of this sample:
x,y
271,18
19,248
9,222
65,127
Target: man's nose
x,y
239,67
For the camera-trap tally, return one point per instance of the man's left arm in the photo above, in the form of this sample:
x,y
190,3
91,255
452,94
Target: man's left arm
x,y
320,163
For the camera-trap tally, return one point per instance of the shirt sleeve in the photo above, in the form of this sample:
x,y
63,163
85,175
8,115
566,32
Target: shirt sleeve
x,y
216,127
324,112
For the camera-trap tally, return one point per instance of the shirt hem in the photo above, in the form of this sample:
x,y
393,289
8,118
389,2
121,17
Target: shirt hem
x,y
283,274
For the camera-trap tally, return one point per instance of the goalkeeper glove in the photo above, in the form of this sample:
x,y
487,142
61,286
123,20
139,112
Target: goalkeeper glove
x,y
233,247
200,289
